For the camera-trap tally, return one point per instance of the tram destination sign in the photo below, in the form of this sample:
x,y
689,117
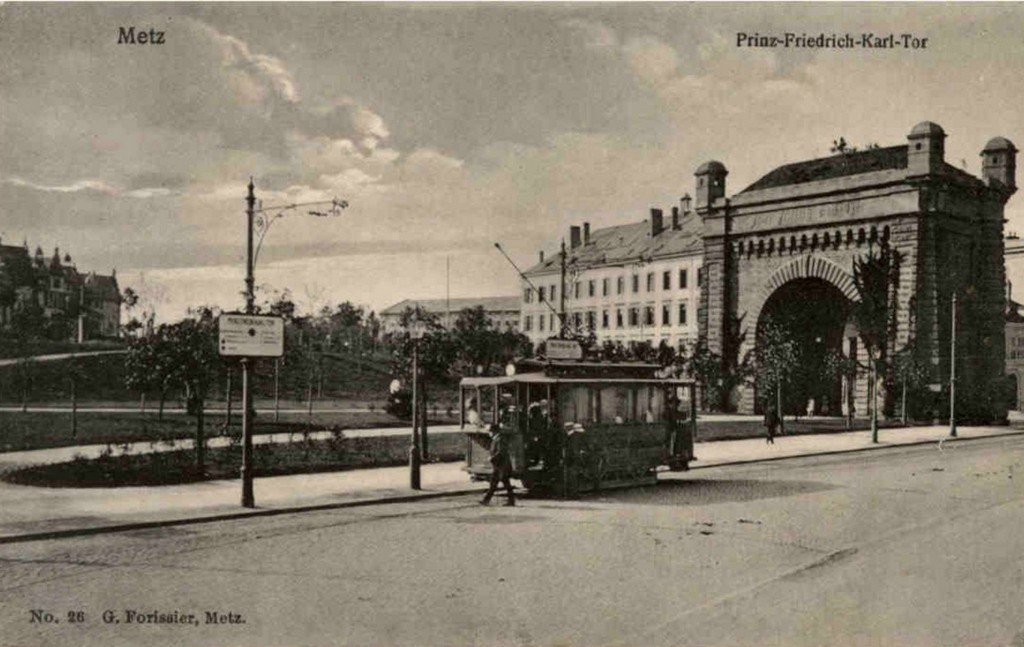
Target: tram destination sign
x,y
250,336
563,349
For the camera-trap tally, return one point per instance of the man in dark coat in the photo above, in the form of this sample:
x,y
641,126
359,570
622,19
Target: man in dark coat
x,y
501,466
771,423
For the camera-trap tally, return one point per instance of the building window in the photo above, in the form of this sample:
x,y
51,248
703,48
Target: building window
x,y
604,287
650,281
682,279
666,315
666,280
591,317
551,291
540,323
634,317
621,285
577,320
636,283
528,323
682,314
591,287
541,294
618,317
604,318
649,315
576,290
527,293
551,321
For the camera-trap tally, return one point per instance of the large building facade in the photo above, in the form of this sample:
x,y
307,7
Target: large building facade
x,y
784,248
70,304
503,312
630,283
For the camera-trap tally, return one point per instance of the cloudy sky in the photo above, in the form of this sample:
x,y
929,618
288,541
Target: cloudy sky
x,y
446,127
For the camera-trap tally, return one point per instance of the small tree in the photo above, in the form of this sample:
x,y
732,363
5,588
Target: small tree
x,y
875,277
191,351
775,356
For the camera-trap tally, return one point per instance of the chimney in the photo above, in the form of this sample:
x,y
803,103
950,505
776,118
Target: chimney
x,y
657,222
542,256
574,237
675,217
586,233
685,202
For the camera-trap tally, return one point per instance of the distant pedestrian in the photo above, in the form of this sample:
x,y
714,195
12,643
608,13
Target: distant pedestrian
x,y
501,466
771,423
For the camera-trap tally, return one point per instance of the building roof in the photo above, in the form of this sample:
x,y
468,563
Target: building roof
x,y
440,306
103,284
847,164
630,243
13,251
1013,314
826,168
998,144
712,166
927,129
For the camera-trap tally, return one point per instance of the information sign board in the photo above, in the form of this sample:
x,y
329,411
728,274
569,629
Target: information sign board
x,y
563,349
250,335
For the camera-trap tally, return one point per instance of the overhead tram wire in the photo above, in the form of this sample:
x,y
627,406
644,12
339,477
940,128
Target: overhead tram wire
x,y
530,283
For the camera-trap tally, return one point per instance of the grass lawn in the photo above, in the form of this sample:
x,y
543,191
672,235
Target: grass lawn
x,y
179,466
754,427
39,430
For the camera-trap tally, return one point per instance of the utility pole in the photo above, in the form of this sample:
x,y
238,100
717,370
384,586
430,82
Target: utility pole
x,y
778,405
561,296
277,392
414,451
248,498
952,373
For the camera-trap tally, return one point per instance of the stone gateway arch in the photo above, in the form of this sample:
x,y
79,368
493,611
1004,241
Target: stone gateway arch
x,y
785,247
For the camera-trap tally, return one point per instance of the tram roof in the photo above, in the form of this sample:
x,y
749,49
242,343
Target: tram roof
x,y
540,378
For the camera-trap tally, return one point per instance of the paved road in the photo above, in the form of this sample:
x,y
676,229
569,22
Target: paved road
x,y
908,546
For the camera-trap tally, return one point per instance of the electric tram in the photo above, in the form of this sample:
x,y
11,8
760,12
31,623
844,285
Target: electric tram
x,y
579,426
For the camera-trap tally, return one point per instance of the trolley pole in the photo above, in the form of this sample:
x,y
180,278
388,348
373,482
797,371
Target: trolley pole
x,y
414,451
248,498
952,373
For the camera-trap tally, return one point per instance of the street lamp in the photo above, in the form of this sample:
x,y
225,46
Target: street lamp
x,y
416,332
261,219
952,372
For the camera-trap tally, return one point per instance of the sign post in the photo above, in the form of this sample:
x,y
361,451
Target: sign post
x,y
248,337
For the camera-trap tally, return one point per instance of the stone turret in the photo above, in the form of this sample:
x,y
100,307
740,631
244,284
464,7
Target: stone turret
x,y
710,184
999,164
926,148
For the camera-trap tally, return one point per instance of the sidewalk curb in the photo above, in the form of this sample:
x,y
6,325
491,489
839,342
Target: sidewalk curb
x,y
228,516
871,447
407,498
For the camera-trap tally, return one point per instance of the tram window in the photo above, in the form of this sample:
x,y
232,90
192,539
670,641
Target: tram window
x,y
615,404
575,405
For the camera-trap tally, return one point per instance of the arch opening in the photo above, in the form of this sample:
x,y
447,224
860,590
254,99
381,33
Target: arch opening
x,y
814,314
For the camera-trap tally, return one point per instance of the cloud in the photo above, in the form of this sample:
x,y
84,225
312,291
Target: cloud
x,y
97,186
93,186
